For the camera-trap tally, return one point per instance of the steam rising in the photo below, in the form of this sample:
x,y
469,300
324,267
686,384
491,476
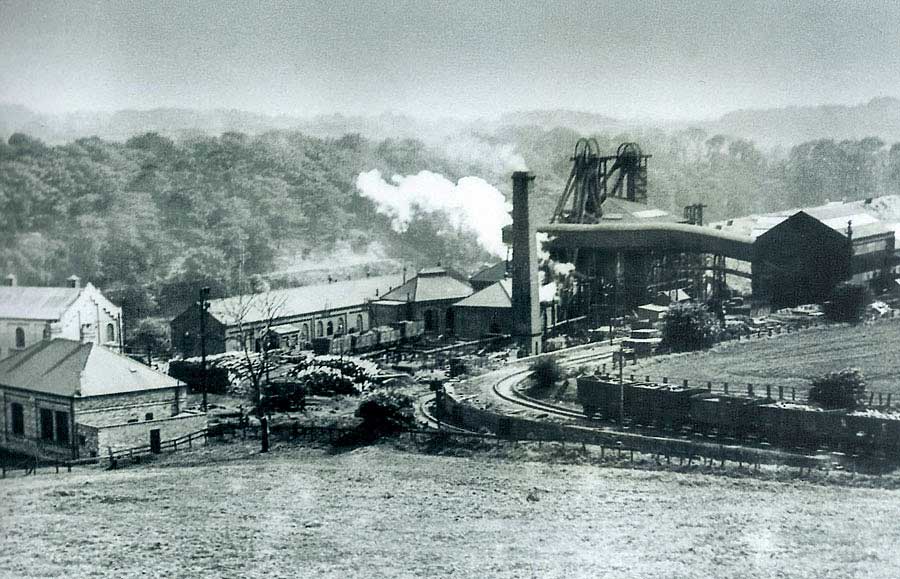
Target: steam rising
x,y
472,202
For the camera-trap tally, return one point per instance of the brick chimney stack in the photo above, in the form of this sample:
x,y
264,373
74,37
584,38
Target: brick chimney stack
x,y
73,281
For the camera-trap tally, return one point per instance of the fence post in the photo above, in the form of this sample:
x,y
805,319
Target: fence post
x,y
647,379
781,392
889,400
793,394
665,379
768,390
725,385
750,390
685,383
709,386
879,399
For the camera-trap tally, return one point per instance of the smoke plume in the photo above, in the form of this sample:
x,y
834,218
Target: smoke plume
x,y
471,202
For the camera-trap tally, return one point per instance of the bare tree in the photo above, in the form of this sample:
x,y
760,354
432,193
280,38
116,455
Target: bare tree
x,y
254,315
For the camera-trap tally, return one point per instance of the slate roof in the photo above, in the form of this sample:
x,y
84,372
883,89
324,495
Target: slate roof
x,y
499,295
36,303
433,284
299,301
494,273
71,368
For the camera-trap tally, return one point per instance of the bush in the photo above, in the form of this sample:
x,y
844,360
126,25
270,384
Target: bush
x,y
283,396
689,327
546,372
386,412
847,304
843,389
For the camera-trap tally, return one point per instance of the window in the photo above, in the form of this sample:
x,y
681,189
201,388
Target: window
x,y
46,424
359,322
148,416
20,338
430,322
319,329
62,427
110,333
18,418
340,329
330,328
304,334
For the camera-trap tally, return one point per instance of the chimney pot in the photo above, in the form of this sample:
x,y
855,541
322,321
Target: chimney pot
x,y
73,281
11,280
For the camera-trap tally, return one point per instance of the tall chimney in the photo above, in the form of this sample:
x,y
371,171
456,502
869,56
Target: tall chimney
x,y
73,281
11,280
525,297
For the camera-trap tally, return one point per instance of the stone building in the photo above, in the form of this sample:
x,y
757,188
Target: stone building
x,y
489,311
67,399
426,297
294,315
30,314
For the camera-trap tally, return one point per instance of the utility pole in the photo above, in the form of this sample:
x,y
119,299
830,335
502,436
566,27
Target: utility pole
x,y
621,387
204,306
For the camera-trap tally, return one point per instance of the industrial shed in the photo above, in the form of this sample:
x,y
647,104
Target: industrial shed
x,y
799,261
67,399
427,298
489,311
295,316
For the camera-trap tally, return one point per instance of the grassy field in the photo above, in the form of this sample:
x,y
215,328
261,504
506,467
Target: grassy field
x,y
790,360
382,512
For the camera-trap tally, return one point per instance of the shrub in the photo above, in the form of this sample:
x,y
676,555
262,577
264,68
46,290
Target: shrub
x,y
283,396
546,372
842,389
689,327
386,412
847,304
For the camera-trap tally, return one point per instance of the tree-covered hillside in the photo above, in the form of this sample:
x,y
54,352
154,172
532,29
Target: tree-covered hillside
x,y
151,218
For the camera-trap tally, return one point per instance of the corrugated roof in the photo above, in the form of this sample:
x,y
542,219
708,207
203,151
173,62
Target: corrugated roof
x,y
430,285
302,300
71,368
36,303
869,217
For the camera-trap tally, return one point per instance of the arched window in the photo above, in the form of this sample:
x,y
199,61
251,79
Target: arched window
x,y
304,333
340,328
319,329
20,338
430,321
110,333
449,321
359,322
330,328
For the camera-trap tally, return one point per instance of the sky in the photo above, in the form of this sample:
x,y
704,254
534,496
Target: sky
x,y
629,59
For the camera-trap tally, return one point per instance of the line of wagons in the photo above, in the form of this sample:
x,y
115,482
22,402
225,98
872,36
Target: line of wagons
x,y
786,424
382,337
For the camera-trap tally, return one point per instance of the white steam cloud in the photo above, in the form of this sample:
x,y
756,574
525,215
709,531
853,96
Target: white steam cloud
x,y
472,202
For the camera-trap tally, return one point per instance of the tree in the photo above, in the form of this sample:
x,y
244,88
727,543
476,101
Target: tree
x,y
150,336
386,412
843,389
546,372
689,327
847,303
253,314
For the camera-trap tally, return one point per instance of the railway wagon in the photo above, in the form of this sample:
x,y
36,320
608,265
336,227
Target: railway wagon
x,y
387,336
410,330
664,405
733,415
335,345
364,341
598,395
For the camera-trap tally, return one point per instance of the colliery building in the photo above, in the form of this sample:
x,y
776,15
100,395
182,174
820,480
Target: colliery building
x,y
799,255
294,316
68,399
427,297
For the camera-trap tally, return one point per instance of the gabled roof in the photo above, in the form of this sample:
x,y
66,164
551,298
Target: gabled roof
x,y
36,303
299,301
494,273
433,284
71,368
499,295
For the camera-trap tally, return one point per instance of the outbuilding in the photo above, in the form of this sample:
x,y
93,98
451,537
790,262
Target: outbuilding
x,y
67,399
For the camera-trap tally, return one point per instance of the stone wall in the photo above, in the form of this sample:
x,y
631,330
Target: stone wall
x,y
30,441
136,434
121,408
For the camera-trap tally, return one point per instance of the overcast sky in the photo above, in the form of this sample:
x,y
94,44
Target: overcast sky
x,y
635,58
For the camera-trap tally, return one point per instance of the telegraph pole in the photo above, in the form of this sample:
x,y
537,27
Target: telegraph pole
x,y
204,306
